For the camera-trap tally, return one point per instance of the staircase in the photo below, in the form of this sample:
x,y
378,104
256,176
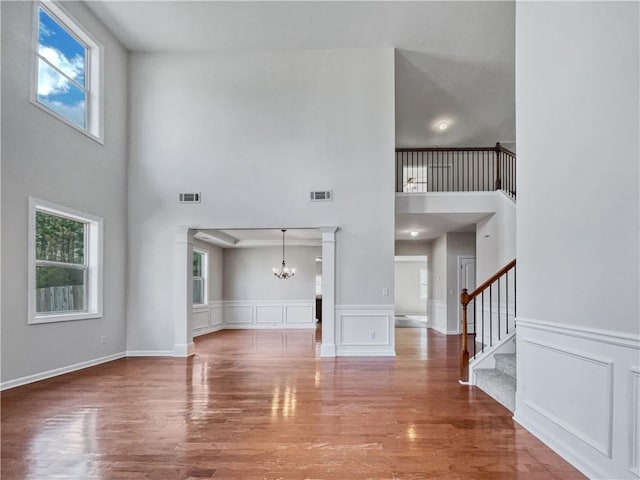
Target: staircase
x,y
499,382
488,322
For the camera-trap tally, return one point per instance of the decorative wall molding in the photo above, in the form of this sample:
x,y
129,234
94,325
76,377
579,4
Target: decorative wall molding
x,y
578,392
438,315
365,330
634,444
602,336
604,444
17,382
259,314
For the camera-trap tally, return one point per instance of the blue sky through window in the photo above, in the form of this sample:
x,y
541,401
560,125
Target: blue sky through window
x,y
61,81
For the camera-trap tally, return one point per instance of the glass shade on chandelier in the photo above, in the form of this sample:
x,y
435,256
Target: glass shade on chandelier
x,y
284,272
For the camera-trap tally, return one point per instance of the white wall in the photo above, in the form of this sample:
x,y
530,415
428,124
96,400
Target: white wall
x,y
438,302
45,158
457,244
248,273
407,287
496,238
578,231
255,132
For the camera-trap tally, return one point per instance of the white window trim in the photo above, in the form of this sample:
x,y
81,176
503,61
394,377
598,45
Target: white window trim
x,y
205,269
93,74
93,249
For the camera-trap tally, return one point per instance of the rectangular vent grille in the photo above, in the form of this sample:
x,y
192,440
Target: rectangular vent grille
x,y
323,196
189,198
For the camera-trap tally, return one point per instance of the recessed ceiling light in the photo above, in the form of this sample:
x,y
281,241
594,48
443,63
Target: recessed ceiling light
x,y
413,233
443,126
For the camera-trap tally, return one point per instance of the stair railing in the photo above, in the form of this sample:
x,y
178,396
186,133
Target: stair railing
x,y
497,314
461,169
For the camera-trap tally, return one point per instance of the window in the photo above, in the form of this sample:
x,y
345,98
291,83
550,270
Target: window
x,y
65,264
423,283
67,70
199,277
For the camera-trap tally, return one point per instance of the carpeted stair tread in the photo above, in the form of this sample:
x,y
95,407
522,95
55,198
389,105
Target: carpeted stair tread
x,y
506,363
498,385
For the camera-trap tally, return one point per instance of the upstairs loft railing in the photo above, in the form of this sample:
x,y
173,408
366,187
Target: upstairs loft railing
x,y
488,313
484,169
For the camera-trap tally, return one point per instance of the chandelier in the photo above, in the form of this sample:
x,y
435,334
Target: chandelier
x,y
284,272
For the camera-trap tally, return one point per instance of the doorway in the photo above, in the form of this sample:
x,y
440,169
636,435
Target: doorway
x,y
411,291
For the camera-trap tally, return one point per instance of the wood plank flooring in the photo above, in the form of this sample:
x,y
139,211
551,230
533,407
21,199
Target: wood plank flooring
x,y
258,404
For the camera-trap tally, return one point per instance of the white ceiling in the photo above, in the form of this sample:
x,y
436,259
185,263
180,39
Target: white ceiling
x,y
433,225
455,61
258,237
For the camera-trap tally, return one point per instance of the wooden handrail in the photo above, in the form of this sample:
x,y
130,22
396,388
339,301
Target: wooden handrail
x,y
465,299
490,280
457,149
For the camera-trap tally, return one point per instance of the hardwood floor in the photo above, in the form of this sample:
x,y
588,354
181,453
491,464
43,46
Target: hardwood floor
x,y
259,404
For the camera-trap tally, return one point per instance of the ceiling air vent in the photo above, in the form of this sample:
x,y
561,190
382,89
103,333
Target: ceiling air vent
x,y
189,198
323,196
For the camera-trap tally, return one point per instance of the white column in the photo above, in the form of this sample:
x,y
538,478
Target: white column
x,y
328,347
183,293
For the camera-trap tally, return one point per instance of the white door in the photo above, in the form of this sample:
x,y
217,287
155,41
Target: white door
x,y
466,279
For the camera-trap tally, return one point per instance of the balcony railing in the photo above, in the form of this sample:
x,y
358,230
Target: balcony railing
x,y
484,169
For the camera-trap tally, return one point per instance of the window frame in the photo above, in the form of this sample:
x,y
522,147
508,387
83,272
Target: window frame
x,y
92,258
94,68
203,277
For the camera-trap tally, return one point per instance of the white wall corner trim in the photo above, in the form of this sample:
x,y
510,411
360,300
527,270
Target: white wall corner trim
x,y
59,371
184,350
578,392
365,330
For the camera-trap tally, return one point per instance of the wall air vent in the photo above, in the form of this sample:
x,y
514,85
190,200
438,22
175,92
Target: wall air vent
x,y
189,198
323,196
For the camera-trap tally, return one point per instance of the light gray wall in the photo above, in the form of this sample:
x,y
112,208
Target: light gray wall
x,y
248,273
496,239
416,247
255,132
457,244
215,270
577,133
45,158
407,287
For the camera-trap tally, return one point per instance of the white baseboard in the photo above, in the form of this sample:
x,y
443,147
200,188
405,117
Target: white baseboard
x,y
59,371
149,353
209,329
578,392
184,350
274,326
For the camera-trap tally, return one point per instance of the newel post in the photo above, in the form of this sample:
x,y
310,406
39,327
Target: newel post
x,y
498,184
464,356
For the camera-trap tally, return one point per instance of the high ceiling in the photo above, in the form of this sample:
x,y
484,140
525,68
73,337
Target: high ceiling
x,y
455,62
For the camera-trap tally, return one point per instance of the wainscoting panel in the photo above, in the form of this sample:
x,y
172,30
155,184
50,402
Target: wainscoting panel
x,y
238,314
269,314
578,394
200,318
438,315
216,313
635,422
300,314
365,330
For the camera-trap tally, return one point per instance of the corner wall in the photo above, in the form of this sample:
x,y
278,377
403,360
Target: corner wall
x,y
45,158
578,337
